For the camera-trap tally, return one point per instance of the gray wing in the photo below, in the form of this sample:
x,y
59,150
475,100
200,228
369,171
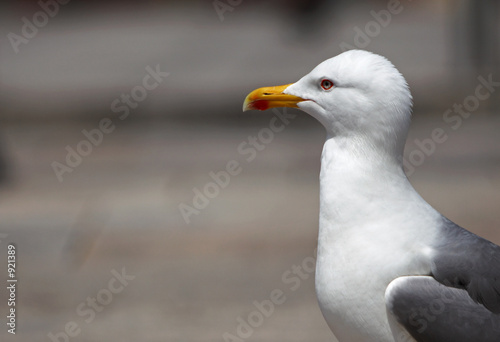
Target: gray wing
x,y
466,261
433,312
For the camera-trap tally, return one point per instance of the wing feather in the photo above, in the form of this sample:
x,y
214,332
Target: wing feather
x,y
467,261
433,312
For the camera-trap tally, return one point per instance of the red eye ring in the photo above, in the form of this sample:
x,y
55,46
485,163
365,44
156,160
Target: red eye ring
x,y
326,84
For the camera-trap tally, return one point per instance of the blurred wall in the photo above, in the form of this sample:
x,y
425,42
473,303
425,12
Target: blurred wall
x,y
74,59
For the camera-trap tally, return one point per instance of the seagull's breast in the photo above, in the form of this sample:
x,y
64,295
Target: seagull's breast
x,y
373,228
353,271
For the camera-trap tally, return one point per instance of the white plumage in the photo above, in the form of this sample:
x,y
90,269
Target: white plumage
x,y
364,239
377,237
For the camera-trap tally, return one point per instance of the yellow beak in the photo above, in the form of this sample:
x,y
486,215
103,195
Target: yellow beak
x,y
270,97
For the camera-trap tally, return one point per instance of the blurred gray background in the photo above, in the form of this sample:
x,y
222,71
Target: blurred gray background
x,y
68,70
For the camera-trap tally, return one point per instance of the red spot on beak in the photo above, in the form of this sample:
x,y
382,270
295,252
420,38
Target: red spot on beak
x,y
260,105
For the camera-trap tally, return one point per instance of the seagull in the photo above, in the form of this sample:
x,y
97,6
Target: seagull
x,y
390,268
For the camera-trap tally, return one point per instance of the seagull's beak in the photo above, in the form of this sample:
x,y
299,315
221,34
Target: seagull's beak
x,y
270,97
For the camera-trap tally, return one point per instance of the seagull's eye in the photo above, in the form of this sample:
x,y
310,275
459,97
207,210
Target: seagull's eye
x,y
326,84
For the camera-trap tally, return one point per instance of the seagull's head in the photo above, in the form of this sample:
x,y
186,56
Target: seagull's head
x,y
356,94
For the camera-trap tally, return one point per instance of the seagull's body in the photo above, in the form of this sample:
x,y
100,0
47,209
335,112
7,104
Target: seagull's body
x,y
366,240
390,268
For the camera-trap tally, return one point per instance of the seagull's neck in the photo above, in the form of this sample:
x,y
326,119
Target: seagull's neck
x,y
358,183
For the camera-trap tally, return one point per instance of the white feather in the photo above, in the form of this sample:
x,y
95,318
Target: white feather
x,y
374,227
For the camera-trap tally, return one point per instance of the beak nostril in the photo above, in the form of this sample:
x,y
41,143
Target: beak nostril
x,y
267,93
